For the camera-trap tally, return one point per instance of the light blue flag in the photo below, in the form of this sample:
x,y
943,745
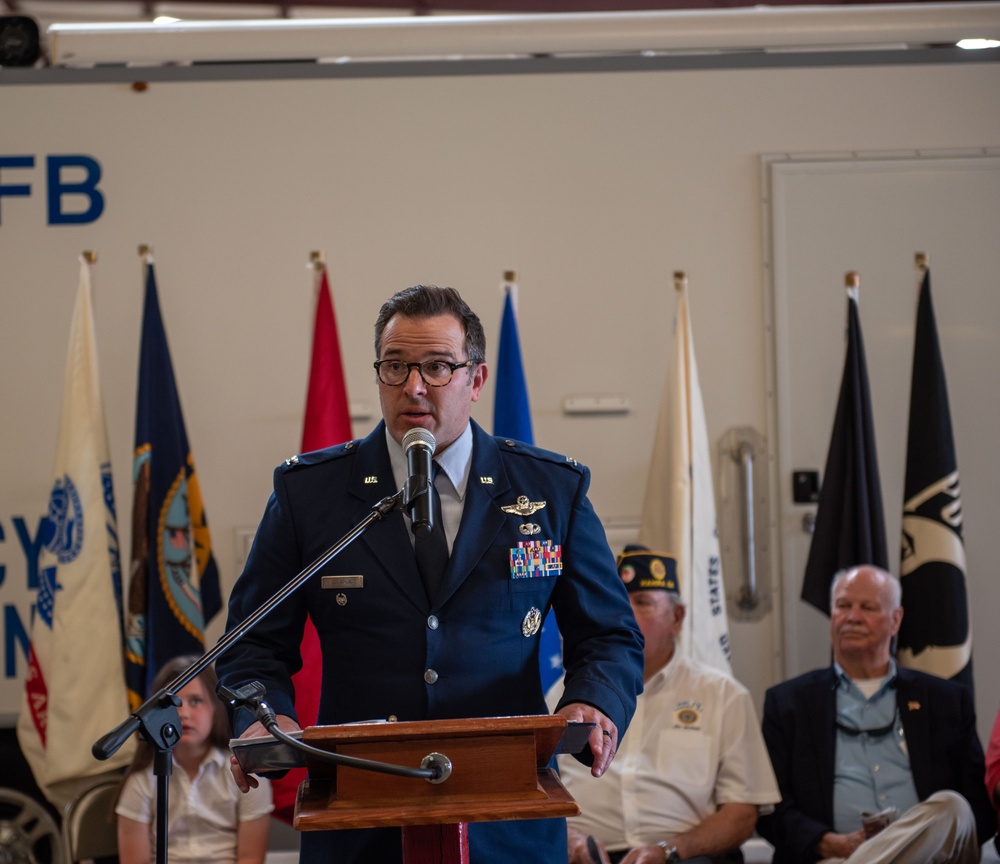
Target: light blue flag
x,y
512,419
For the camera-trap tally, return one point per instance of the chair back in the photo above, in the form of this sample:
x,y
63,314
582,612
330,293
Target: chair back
x,y
89,827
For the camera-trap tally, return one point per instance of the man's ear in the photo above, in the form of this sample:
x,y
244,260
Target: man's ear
x,y
680,610
479,377
897,619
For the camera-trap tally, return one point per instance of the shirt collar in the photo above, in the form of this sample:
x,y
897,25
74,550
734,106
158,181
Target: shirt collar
x,y
844,680
455,461
215,756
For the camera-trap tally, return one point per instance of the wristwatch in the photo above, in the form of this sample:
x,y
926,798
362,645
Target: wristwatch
x,y
670,852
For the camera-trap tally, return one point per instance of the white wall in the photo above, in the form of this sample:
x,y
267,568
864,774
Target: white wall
x,y
595,187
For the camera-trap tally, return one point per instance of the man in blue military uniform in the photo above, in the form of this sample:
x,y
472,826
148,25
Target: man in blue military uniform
x,y
522,537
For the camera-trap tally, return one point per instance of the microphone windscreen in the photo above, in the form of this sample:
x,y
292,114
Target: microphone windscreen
x,y
419,436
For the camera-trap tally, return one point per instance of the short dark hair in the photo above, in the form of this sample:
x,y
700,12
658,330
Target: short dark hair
x,y
429,301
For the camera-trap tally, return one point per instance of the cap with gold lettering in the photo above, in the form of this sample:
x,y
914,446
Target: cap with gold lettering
x,y
642,569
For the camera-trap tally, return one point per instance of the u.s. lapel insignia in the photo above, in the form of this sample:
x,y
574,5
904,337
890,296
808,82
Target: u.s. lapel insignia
x,y
532,621
523,507
370,480
486,481
529,528
913,705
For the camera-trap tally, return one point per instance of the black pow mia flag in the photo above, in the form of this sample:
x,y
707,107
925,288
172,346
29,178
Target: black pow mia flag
x,y
850,521
936,635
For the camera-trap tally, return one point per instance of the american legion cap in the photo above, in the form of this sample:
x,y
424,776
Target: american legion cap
x,y
642,569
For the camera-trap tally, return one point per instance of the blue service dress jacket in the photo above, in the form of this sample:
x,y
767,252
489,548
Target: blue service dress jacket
x,y
939,723
472,651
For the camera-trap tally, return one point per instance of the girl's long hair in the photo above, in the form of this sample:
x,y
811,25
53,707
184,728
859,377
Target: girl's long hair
x,y
219,734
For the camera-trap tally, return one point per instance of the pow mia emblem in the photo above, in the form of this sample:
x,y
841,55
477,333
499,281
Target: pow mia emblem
x,y
523,507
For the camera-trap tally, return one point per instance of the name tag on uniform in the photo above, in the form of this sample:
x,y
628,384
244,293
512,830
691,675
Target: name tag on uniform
x,y
338,583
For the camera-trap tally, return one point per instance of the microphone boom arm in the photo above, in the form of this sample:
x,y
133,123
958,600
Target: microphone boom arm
x,y
153,717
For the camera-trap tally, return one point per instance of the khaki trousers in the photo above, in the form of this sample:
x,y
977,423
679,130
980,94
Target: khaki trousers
x,y
940,830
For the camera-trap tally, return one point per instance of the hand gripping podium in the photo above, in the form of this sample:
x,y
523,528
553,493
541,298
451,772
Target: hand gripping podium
x,y
499,771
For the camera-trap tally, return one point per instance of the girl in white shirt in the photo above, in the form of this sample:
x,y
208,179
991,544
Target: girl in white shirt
x,y
209,820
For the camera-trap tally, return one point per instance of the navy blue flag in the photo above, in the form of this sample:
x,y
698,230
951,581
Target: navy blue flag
x,y
512,419
174,584
850,521
936,634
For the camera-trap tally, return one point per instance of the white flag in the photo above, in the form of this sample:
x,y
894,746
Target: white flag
x,y
75,686
678,516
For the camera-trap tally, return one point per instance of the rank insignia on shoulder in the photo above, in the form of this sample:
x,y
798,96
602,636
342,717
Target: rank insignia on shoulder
x,y
523,507
571,460
292,460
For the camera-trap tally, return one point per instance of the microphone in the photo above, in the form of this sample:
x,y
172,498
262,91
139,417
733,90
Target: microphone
x,y
418,445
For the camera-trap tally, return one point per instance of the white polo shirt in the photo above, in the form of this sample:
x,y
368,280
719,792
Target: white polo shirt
x,y
693,744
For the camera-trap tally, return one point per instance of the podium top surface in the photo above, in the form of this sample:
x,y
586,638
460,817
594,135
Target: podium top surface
x,y
548,730
265,754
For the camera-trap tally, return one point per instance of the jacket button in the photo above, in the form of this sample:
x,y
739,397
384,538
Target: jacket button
x,y
430,676
432,622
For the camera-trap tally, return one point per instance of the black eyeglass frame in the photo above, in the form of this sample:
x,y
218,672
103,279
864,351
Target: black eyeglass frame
x,y
419,367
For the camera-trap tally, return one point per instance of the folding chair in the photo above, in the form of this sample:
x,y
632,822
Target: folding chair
x,y
89,827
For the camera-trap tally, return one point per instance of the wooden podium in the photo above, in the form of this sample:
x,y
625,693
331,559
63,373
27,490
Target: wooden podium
x,y
499,772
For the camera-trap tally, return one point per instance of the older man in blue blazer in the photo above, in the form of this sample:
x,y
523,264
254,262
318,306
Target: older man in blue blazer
x,y
875,763
462,641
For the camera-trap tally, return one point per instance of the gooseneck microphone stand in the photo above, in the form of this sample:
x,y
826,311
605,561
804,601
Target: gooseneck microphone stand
x,y
158,721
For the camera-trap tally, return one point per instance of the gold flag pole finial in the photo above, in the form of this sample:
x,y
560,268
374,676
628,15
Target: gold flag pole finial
x,y
680,280
317,260
852,279
90,256
509,275
144,250
922,260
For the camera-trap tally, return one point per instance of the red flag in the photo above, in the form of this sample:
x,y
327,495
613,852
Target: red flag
x,y
327,422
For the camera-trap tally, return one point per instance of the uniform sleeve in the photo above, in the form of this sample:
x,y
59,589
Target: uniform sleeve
x,y
136,799
602,643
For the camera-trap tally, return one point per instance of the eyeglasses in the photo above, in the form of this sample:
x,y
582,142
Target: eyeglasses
x,y
436,373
